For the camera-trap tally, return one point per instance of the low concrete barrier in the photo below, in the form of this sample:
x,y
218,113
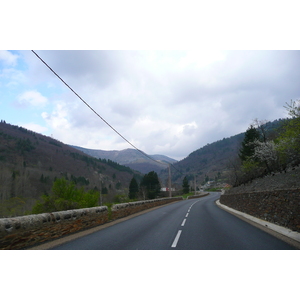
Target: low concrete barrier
x,y
25,231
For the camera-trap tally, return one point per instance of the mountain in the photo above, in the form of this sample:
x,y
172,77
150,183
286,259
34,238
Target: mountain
x,y
213,161
30,162
207,163
131,158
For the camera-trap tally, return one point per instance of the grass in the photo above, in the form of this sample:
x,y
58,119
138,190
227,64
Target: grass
x,y
188,194
213,190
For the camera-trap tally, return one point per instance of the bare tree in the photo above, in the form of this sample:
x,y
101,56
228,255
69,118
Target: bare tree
x,y
293,108
234,166
261,127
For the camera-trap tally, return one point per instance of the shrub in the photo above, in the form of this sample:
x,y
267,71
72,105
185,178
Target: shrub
x,y
64,196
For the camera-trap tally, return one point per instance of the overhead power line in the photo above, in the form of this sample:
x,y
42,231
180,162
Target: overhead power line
x,y
97,113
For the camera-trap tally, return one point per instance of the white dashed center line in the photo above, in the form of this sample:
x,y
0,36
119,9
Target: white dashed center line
x,y
176,239
182,224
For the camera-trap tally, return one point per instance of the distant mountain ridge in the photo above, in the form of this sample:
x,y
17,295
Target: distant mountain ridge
x,y
131,158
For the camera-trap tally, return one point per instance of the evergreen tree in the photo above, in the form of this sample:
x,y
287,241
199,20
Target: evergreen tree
x,y
248,146
151,184
185,186
133,189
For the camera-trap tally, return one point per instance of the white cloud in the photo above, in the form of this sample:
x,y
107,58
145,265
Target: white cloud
x,y
167,102
8,58
35,127
11,77
33,98
200,58
58,119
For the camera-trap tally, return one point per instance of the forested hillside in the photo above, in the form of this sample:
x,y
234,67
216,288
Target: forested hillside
x,y
30,163
207,163
214,161
266,152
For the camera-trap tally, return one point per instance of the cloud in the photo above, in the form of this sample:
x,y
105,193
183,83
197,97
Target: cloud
x,y
189,129
11,77
35,127
8,58
58,119
84,70
32,98
167,102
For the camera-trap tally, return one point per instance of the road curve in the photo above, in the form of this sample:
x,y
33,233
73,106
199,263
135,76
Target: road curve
x,y
195,224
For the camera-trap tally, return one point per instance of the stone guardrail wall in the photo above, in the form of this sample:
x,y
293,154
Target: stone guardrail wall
x,y
281,207
26,231
125,209
197,196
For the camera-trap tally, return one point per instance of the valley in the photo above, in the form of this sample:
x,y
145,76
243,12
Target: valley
x,y
30,163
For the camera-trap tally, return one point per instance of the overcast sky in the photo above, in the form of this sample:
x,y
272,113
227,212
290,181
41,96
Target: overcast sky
x,y
164,102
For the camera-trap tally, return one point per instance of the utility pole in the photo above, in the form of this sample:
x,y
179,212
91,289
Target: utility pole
x,y
100,190
195,183
169,181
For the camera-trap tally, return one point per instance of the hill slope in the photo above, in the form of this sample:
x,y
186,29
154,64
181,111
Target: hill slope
x,y
207,163
30,162
131,158
213,161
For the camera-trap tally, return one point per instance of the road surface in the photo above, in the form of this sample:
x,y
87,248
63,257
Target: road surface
x,y
195,224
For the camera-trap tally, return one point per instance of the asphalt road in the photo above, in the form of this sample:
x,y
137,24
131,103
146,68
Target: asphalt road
x,y
193,224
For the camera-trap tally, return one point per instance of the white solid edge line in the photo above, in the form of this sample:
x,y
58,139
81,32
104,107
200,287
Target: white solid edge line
x,y
282,230
176,239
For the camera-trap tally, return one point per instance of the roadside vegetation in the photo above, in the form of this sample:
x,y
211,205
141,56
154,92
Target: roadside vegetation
x,y
264,151
185,196
213,189
64,196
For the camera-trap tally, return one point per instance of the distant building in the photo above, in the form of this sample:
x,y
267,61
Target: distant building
x,y
166,189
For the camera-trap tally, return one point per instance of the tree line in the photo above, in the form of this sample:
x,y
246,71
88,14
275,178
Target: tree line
x,y
66,195
149,187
